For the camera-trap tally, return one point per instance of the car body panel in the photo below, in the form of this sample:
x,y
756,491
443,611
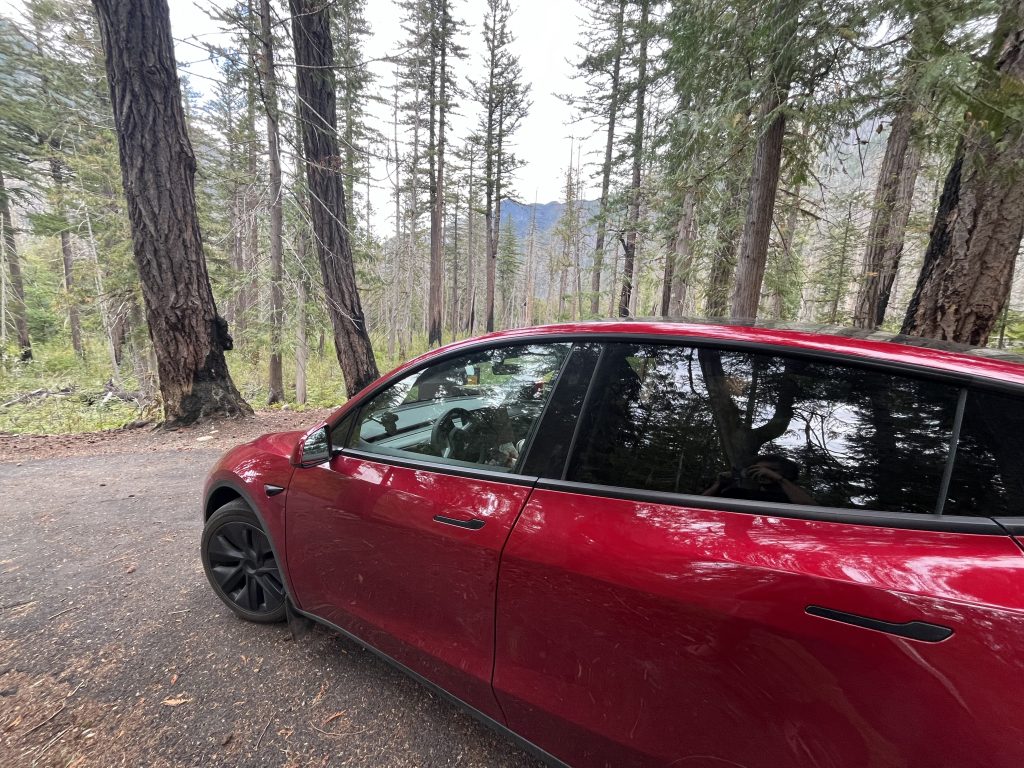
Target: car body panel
x,y
640,634
612,630
366,553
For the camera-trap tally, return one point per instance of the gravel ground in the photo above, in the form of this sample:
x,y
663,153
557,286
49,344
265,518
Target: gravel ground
x,y
115,652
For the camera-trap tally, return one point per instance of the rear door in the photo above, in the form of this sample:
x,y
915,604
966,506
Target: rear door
x,y
742,564
397,538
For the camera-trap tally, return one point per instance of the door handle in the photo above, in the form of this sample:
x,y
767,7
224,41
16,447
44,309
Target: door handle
x,y
473,524
913,630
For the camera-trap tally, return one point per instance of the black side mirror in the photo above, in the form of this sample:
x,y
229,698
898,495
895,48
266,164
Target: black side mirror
x,y
316,448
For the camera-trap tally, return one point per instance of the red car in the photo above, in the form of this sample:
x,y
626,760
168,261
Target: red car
x,y
665,544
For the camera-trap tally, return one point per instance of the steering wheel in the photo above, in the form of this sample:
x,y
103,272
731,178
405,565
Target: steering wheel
x,y
444,428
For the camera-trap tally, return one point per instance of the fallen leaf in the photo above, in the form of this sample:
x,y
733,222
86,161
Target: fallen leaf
x,y
334,717
174,678
130,569
175,702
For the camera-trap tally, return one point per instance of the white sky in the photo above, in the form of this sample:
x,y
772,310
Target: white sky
x,y
546,34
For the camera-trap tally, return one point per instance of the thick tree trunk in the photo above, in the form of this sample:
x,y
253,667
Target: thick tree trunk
x,y
275,374
606,166
633,214
968,266
889,216
314,59
764,182
158,169
10,247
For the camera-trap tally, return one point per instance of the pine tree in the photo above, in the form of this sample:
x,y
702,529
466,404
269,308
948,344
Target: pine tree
x,y
504,99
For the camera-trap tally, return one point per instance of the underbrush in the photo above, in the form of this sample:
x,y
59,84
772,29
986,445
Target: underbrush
x,y
59,393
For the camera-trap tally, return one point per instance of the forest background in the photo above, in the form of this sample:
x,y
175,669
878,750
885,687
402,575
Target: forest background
x,y
833,162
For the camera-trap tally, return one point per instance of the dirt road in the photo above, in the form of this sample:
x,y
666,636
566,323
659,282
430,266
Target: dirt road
x,y
113,650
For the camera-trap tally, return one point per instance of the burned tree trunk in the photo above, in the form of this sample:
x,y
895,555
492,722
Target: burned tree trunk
x,y
315,82
158,169
968,266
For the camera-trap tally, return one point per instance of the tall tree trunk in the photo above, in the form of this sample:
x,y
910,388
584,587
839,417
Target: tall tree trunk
x,y
681,256
158,169
314,60
723,263
893,253
10,247
893,196
633,215
494,226
606,166
275,374
67,257
436,292
764,182
968,267
470,254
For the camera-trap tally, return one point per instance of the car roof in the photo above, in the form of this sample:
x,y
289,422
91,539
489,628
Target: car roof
x,y
997,366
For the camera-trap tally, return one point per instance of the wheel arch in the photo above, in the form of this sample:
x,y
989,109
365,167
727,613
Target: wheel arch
x,y
224,491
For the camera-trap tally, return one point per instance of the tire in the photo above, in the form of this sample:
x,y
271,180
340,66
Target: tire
x,y
241,566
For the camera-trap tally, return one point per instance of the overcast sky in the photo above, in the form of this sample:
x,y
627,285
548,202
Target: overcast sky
x,y
546,34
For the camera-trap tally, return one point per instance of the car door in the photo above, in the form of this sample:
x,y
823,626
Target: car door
x,y
397,538
742,564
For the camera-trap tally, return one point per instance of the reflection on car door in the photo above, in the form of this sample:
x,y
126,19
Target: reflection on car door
x,y
641,624
402,550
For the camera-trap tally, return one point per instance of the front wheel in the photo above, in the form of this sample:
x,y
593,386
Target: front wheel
x,y
240,564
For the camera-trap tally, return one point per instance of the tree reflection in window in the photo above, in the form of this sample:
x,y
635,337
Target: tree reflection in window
x,y
764,427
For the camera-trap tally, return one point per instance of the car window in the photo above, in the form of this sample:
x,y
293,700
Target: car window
x,y
475,410
988,476
762,427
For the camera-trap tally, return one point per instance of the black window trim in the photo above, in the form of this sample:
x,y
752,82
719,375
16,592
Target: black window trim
x,y
904,520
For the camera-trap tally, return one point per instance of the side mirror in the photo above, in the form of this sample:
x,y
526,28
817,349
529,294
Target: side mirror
x,y
316,448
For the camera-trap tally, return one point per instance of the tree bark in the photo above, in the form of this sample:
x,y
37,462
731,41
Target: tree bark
x,y
436,292
893,253
275,374
314,59
158,170
606,166
633,215
968,266
764,182
681,256
10,246
886,232
67,257
723,264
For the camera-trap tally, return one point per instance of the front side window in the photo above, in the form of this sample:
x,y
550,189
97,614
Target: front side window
x,y
476,410
730,424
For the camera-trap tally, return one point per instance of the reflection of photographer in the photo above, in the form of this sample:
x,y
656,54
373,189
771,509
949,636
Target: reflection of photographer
x,y
769,478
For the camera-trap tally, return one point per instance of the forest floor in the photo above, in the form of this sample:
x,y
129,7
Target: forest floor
x,y
115,652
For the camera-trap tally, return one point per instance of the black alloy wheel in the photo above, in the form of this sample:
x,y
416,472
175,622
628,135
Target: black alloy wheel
x,y
241,566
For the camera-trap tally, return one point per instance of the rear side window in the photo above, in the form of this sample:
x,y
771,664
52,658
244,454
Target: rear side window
x,y
988,477
766,428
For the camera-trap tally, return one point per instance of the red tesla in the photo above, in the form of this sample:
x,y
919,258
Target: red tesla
x,y
665,544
